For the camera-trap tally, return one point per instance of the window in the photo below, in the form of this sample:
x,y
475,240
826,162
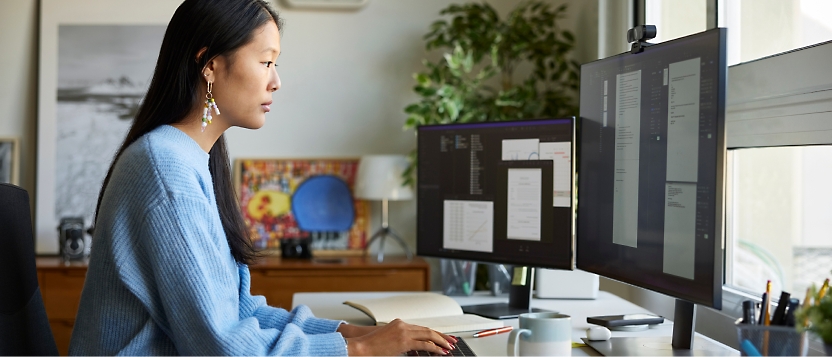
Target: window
x,y
756,28
779,214
760,28
674,19
779,228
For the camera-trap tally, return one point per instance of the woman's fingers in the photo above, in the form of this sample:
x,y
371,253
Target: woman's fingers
x,y
430,347
451,339
425,334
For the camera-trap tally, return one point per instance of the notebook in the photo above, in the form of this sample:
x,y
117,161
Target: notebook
x,y
435,311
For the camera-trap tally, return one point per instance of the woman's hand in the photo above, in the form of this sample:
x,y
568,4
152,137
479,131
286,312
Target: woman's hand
x,y
397,338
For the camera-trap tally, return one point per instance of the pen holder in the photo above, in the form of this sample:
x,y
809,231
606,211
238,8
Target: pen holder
x,y
757,340
458,277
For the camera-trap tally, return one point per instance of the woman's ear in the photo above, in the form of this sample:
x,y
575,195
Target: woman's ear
x,y
208,70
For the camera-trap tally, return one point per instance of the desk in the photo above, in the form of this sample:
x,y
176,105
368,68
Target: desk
x,y
329,305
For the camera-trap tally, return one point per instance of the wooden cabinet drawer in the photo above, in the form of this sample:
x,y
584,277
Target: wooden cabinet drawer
x,y
61,290
278,286
62,331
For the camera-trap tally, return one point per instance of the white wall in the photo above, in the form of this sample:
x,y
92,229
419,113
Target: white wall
x,y
18,81
346,78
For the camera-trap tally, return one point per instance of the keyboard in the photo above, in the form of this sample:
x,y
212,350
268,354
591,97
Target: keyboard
x,y
461,349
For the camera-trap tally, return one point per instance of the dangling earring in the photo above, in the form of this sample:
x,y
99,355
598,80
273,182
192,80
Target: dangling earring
x,y
209,103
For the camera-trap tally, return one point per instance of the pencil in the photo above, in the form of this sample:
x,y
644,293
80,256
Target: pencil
x,y
767,318
806,303
822,291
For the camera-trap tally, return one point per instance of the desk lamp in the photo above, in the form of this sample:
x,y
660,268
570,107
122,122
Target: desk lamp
x,y
379,178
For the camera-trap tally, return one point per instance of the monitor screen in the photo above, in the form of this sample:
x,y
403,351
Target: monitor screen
x,y
498,192
651,167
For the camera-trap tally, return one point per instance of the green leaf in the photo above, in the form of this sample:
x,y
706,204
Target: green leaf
x,y
413,108
478,45
422,79
450,108
451,60
425,91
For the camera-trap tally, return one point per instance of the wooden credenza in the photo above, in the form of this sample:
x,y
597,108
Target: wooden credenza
x,y
276,279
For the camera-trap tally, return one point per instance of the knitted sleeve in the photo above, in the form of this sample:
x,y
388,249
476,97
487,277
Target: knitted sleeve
x,y
273,317
199,303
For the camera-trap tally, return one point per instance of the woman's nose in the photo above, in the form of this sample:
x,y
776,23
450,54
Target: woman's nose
x,y
275,83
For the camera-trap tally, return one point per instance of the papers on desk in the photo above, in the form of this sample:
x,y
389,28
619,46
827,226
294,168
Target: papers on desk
x,y
435,311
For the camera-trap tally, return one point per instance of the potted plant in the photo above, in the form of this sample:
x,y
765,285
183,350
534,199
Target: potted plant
x,y
477,77
817,316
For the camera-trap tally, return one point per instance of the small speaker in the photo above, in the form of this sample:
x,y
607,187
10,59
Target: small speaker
x,y
72,243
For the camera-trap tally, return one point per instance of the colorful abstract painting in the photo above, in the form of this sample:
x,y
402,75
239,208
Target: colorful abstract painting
x,y
265,188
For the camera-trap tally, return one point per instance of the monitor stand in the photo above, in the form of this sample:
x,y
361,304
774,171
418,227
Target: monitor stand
x,y
683,342
519,299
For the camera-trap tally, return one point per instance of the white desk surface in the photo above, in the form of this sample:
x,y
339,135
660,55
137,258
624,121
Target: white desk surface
x,y
330,306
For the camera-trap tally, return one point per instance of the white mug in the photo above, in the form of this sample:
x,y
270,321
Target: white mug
x,y
542,334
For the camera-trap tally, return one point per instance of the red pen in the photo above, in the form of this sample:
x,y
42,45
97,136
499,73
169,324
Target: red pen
x,y
493,331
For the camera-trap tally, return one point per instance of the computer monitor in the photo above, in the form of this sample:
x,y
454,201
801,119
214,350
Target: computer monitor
x,y
651,172
498,192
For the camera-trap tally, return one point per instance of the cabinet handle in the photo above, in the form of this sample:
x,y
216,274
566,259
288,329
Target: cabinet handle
x,y
328,273
75,272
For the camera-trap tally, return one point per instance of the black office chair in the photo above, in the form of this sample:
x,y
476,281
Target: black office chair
x,y
24,328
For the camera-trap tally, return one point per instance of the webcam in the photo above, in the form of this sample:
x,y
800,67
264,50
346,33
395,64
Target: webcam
x,y
639,35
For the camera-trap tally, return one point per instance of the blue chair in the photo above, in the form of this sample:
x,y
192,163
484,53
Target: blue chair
x,y
323,204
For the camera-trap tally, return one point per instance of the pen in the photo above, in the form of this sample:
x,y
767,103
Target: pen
x,y
762,310
493,331
749,312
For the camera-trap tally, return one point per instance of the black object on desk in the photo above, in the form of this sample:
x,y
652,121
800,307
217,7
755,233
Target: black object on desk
x,y
625,320
789,318
780,312
749,312
295,248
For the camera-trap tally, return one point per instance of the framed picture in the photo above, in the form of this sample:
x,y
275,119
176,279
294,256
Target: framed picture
x,y
96,61
270,198
10,161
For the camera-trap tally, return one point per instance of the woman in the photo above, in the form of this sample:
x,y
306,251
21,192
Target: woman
x,y
168,274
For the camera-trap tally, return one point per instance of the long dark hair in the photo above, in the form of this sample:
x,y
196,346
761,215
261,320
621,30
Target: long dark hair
x,y
221,27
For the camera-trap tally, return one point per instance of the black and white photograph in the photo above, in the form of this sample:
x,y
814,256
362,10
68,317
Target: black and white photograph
x,y
103,74
8,161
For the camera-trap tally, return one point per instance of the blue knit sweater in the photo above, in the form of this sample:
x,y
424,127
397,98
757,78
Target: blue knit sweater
x,y
161,278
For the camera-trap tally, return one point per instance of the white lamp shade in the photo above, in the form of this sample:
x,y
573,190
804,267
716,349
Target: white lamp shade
x,y
380,177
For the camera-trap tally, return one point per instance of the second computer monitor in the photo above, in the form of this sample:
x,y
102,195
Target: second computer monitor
x,y
651,176
498,192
